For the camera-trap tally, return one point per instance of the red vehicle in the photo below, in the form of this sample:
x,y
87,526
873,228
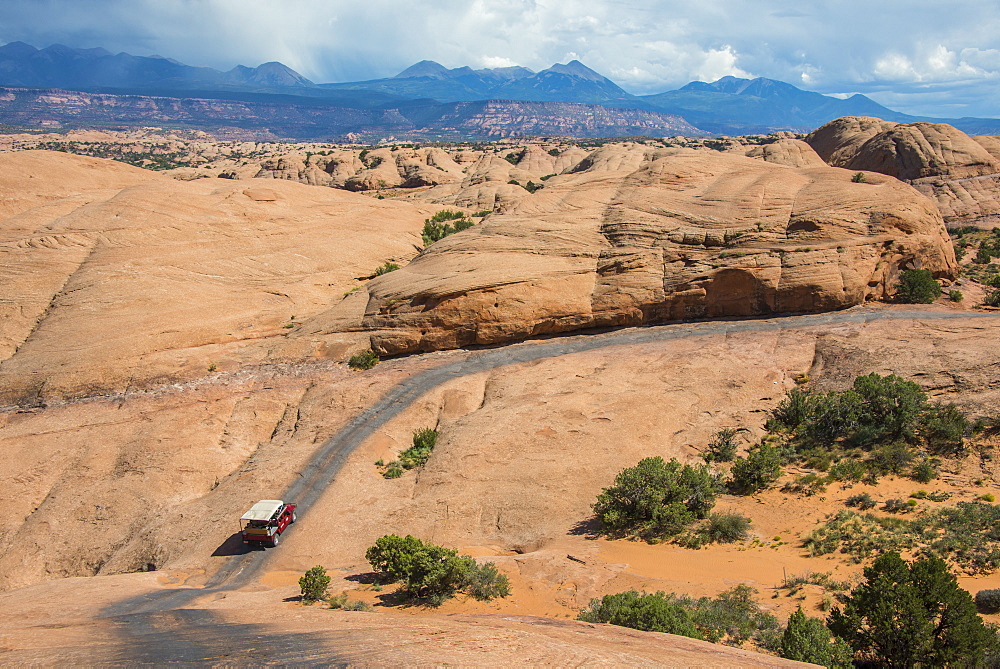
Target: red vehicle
x,y
266,520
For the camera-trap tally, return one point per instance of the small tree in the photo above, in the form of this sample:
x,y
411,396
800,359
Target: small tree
x,y
757,471
917,286
908,614
313,584
723,446
656,499
808,640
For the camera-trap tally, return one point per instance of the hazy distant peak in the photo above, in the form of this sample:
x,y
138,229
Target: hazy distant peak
x,y
17,50
576,69
425,68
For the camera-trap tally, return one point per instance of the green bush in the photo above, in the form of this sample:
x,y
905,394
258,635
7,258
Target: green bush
x,y
726,528
386,268
945,428
757,471
432,572
848,470
808,640
924,471
437,226
863,501
414,456
917,286
732,617
647,612
313,584
909,614
892,458
955,295
859,178
992,298
365,360
723,446
655,499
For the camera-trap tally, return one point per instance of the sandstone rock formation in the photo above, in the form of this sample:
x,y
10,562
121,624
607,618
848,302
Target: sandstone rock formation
x,y
788,152
116,277
635,235
960,173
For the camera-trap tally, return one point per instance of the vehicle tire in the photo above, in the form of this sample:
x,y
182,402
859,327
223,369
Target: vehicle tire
x,y
274,540
294,518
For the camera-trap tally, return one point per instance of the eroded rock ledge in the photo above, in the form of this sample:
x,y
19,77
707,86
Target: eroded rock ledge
x,y
636,235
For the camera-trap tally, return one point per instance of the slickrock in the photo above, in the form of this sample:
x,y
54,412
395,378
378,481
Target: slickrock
x,y
115,277
789,152
636,235
960,173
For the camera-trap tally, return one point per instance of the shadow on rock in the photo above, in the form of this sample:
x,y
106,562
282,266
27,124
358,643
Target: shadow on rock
x,y
234,546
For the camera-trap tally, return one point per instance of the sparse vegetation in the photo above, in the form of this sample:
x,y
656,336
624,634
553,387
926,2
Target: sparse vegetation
x,y
313,584
727,528
365,360
656,500
342,602
386,268
859,178
415,456
433,573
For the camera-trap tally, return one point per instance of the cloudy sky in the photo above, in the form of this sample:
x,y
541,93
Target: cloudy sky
x,y
939,58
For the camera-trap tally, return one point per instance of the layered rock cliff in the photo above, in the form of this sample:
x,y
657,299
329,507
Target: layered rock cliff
x,y
634,235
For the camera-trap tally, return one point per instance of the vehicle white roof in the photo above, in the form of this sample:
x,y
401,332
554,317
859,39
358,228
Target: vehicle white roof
x,y
263,510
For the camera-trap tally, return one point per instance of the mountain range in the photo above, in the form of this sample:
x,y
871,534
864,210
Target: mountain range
x,y
729,105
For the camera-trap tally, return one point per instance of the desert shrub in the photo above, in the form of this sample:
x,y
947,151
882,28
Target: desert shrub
x,y
892,458
386,268
917,286
848,470
988,601
487,583
313,584
655,499
955,295
877,409
757,471
647,612
896,505
909,614
723,446
945,428
817,458
824,580
859,178
432,572
414,456
365,360
726,528
808,640
731,618
483,213
862,501
794,409
808,485
992,298
924,471
442,224
531,187
342,602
